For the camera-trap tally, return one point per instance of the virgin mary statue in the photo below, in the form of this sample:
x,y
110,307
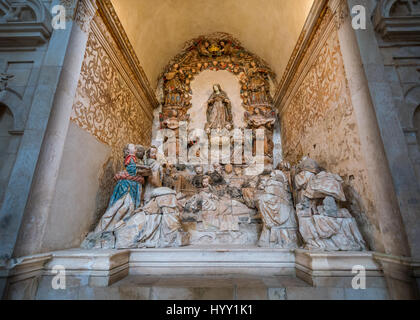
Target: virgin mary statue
x,y
219,111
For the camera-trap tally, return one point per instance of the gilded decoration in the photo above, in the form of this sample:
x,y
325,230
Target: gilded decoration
x,y
218,51
107,104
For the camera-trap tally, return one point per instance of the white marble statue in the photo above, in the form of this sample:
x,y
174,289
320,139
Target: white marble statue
x,y
157,224
323,225
275,204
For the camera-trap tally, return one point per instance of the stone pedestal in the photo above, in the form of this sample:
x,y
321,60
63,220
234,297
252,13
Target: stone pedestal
x,y
335,269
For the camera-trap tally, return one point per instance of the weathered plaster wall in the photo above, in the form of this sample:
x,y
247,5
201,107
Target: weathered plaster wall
x,y
318,121
158,29
78,194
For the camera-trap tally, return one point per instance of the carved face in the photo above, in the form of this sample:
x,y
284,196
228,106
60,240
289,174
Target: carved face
x,y
129,149
216,88
238,171
199,170
206,182
217,168
139,151
153,153
228,168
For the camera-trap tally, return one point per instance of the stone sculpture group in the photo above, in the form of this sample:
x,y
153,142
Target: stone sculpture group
x,y
161,205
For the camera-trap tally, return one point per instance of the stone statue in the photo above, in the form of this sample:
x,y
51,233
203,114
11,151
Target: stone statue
x,y
323,225
157,224
155,179
219,111
214,211
275,204
262,119
126,196
124,200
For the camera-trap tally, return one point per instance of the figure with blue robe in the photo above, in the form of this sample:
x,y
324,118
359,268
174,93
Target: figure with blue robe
x,y
126,197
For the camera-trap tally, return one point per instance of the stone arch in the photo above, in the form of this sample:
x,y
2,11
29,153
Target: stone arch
x,y
16,107
412,98
30,10
395,8
217,51
9,145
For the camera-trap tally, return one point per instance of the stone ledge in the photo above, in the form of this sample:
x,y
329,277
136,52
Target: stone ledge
x,y
104,267
335,268
207,260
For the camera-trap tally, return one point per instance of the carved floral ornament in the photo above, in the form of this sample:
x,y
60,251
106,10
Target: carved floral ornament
x,y
218,51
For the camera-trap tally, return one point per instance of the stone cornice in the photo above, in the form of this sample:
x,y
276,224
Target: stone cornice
x,y
312,22
17,31
394,27
110,18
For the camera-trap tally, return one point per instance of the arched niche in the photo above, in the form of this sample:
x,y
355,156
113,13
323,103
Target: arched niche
x,y
9,145
202,87
187,82
215,52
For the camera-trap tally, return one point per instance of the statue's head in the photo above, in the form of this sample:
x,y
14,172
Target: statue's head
x,y
217,167
129,149
217,88
140,151
152,152
206,182
228,168
238,170
198,170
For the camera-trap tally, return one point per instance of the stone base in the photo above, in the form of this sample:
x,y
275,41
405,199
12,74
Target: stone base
x,y
291,274
332,269
212,260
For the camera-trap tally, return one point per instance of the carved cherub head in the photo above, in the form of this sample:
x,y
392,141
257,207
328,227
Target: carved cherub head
x,y
217,167
238,170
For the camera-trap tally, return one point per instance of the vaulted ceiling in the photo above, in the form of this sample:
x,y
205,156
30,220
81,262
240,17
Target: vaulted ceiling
x,y
158,29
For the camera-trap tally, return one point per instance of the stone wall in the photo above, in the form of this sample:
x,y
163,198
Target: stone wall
x,y
402,62
317,120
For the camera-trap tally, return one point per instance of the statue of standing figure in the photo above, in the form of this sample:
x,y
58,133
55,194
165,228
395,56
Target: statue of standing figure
x,y
219,111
